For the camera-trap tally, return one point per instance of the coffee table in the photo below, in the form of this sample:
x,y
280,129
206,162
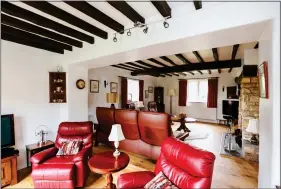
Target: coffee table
x,y
106,163
183,122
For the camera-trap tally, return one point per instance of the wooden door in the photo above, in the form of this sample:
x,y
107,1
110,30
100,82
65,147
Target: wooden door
x,y
6,174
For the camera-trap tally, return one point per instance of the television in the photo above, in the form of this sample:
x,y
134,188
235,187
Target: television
x,y
7,130
230,108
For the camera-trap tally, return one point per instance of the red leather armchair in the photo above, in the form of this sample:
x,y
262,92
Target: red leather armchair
x,y
184,165
51,171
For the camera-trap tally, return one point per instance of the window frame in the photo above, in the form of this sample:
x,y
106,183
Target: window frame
x,y
198,99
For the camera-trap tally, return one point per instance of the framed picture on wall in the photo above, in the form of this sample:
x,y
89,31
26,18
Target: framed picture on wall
x,y
263,79
113,87
94,86
146,94
150,89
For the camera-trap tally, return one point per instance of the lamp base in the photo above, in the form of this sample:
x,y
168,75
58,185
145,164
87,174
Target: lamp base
x,y
112,106
116,153
254,139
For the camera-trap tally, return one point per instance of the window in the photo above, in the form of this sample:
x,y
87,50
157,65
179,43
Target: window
x,y
197,90
133,90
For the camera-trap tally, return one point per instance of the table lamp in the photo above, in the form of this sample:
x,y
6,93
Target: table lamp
x,y
112,98
116,135
171,93
253,127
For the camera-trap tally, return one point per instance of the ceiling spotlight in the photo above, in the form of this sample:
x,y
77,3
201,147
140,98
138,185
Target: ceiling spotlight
x,y
129,33
145,29
166,24
114,38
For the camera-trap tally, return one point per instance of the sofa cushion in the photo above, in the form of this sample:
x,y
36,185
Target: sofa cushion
x,y
58,172
160,181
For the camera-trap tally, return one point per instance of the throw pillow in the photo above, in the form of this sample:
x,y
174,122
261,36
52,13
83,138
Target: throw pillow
x,y
70,148
160,181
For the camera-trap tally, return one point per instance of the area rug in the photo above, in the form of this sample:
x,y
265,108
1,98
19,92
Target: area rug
x,y
223,147
193,135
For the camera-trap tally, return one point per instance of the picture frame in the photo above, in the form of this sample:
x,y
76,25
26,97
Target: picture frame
x,y
146,94
94,86
150,89
113,87
130,96
263,80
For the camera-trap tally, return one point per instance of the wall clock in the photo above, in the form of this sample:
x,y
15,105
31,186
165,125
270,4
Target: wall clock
x,y
80,84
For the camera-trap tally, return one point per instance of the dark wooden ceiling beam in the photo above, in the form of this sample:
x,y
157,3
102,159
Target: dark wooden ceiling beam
x,y
157,62
185,61
96,14
173,63
163,8
216,56
33,37
149,65
23,41
50,9
256,46
11,21
127,10
16,11
200,59
191,67
234,52
197,4
131,67
124,68
136,65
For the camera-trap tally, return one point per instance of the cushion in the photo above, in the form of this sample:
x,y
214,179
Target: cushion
x,y
160,181
69,148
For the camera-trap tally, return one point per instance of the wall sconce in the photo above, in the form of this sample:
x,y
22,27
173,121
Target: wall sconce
x,y
105,83
222,88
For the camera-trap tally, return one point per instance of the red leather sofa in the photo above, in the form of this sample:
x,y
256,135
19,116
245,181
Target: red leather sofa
x,y
144,131
51,171
185,166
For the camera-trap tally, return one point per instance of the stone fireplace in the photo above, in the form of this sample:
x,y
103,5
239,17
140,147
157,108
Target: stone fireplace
x,y
248,109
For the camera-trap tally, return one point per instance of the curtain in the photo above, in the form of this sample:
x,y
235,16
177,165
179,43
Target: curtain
x,y
182,92
212,93
141,83
124,92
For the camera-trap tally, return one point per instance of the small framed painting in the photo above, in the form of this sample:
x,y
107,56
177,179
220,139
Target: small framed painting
x,y
146,94
94,86
150,89
113,87
263,79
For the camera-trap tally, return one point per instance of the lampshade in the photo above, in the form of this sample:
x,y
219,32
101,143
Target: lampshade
x,y
116,133
171,92
253,126
112,97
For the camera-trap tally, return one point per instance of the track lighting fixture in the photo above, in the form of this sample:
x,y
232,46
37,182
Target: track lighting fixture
x,y
145,29
166,24
114,38
129,33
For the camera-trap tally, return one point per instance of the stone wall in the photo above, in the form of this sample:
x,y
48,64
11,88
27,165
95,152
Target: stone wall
x,y
248,109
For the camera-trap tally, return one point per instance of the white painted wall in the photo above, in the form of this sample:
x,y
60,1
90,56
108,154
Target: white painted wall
x,y
198,110
251,57
25,93
269,158
110,74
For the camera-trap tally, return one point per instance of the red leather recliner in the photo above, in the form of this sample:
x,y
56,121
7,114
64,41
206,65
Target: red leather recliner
x,y
184,165
51,171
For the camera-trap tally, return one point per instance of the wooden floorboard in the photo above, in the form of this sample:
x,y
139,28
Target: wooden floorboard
x,y
228,172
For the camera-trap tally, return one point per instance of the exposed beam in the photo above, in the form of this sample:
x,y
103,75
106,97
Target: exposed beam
x,y
96,14
157,62
11,21
163,8
234,52
200,59
43,21
131,67
191,67
197,4
50,9
23,41
127,10
33,37
149,65
136,65
256,46
216,56
183,59
124,68
173,63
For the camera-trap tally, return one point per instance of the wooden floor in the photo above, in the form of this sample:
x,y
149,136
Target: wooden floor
x,y
228,172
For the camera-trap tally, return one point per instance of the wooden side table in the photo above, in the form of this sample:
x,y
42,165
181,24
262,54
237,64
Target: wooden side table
x,y
106,163
32,149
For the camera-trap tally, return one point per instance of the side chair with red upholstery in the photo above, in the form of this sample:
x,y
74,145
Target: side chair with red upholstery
x,y
67,171
183,165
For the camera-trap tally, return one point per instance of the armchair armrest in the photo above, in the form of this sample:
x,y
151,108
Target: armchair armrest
x,y
83,154
135,179
43,155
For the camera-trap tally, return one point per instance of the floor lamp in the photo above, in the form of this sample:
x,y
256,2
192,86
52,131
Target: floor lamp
x,y
171,93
